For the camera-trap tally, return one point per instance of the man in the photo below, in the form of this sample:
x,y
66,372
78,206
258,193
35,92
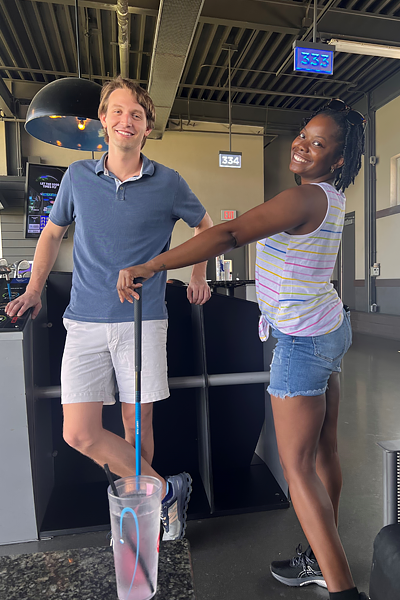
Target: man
x,y
124,207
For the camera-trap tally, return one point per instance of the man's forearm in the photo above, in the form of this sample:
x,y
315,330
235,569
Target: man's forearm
x,y
43,261
199,271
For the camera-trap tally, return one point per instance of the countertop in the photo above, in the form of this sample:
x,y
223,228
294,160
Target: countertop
x,y
88,574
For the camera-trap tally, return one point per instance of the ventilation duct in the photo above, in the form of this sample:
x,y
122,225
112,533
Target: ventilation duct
x,y
176,26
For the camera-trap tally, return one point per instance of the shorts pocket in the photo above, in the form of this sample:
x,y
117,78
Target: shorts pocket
x,y
334,345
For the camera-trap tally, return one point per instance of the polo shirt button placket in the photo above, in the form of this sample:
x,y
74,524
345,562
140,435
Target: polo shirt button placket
x,y
121,193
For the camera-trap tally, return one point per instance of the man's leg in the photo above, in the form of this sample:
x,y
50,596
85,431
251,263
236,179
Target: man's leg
x,y
147,437
83,430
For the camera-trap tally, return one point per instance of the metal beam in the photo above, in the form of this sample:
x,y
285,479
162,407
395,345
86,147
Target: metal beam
x,y
100,43
14,33
245,90
7,101
43,35
143,7
274,121
57,34
254,15
369,27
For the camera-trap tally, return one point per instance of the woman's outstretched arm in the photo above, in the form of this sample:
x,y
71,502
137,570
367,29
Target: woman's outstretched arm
x,y
290,209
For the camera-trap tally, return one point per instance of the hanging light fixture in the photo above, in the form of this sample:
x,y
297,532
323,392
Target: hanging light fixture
x,y
64,112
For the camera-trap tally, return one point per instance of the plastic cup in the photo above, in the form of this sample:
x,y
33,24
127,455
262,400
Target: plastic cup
x,y
135,529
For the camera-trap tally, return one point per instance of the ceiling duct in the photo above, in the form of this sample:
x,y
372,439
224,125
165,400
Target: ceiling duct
x,y
176,25
123,36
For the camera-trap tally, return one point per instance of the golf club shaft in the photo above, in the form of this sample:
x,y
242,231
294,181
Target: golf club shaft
x,y
138,382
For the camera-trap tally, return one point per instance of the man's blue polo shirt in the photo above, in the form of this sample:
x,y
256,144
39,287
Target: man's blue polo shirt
x,y
117,226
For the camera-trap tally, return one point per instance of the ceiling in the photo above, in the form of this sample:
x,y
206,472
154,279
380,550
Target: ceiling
x,y
177,50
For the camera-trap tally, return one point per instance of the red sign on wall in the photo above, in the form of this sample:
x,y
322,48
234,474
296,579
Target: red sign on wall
x,y
228,215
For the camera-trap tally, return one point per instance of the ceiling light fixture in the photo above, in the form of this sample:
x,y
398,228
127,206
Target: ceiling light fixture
x,y
352,47
64,112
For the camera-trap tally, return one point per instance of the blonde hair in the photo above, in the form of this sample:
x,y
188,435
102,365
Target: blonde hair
x,y
142,98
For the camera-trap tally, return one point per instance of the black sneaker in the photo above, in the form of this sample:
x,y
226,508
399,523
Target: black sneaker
x,y
299,570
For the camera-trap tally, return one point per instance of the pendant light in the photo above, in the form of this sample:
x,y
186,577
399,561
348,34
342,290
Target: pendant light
x,y
64,112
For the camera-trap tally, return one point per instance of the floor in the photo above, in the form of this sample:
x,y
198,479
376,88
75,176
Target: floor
x,y
231,555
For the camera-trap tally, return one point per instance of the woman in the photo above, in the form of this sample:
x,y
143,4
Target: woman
x,y
302,227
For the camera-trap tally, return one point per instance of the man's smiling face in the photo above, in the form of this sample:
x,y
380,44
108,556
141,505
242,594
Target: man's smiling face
x,y
125,121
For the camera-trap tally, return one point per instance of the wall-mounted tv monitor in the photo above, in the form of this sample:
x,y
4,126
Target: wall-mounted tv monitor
x,y
41,188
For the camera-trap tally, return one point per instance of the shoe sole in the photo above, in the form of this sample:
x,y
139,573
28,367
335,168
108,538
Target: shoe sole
x,y
299,582
188,491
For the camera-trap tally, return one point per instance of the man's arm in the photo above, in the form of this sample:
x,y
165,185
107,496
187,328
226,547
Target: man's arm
x,y
198,291
45,256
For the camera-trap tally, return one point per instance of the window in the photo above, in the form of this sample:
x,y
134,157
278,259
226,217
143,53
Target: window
x,y
395,180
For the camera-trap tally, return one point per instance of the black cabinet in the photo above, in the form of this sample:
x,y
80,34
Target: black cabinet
x,y
211,432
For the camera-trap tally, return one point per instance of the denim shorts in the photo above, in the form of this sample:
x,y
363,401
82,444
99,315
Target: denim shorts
x,y
301,366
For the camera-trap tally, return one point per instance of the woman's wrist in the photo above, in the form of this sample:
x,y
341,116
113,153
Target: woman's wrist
x,y
156,265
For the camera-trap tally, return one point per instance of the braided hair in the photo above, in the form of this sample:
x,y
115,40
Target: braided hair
x,y
351,138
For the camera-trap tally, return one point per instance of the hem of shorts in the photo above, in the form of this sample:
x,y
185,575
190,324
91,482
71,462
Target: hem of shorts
x,y
145,398
75,398
72,317
283,394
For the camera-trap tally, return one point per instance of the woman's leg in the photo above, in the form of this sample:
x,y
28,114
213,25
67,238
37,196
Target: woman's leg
x,y
299,423
328,465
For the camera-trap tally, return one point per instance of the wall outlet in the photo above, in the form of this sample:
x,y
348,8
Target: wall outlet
x,y
375,270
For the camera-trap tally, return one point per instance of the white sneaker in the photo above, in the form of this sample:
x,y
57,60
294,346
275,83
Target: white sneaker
x,y
174,510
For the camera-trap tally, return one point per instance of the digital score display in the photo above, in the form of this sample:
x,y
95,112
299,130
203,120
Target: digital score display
x,y
42,184
230,159
311,57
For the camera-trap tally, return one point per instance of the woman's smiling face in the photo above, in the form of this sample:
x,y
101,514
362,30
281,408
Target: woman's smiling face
x,y
316,150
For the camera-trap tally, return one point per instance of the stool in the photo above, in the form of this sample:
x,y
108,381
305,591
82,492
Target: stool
x,y
385,573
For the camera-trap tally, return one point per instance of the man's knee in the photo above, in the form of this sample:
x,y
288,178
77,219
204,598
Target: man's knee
x,y
129,417
79,437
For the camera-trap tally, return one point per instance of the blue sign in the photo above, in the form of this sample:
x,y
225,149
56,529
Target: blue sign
x,y
313,58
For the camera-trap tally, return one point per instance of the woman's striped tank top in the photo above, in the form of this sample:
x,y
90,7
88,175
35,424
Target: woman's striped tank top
x,y
293,275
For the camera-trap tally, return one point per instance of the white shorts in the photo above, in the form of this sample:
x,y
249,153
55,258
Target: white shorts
x,y
97,356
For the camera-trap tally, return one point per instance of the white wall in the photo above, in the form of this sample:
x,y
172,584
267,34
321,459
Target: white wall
x,y
195,156
277,176
387,228
355,202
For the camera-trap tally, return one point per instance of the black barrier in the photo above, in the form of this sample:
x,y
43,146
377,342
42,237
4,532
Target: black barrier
x,y
209,426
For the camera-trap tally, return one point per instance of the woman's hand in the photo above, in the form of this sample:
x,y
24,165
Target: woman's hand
x,y
125,284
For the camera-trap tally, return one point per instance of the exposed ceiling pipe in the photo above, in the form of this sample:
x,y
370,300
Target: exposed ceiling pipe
x,y
123,36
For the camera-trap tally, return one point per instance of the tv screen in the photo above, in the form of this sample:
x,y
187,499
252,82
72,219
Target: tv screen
x,y
42,185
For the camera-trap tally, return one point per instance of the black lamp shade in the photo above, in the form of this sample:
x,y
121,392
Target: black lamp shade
x,y
64,113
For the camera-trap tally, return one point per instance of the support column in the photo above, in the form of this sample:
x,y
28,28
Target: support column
x,y
370,205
